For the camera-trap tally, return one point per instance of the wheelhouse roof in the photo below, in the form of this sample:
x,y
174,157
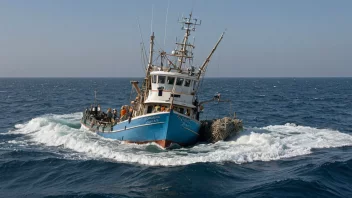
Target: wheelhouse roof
x,y
175,74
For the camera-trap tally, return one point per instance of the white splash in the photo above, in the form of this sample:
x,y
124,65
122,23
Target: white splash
x,y
37,124
257,144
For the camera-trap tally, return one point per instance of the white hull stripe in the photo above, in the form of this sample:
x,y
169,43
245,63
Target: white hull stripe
x,y
139,126
191,130
134,127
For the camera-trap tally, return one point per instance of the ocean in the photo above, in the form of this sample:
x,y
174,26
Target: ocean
x,y
297,142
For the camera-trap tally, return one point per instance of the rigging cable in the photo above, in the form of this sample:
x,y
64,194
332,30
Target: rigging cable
x,y
167,12
145,52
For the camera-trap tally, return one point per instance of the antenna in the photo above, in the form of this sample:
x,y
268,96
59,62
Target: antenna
x,y
151,24
193,4
167,12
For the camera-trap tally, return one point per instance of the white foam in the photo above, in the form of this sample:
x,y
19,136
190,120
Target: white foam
x,y
73,116
257,144
17,142
38,123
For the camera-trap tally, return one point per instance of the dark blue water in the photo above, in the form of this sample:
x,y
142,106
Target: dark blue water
x,y
297,142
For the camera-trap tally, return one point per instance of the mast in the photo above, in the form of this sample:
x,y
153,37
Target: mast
x,y
149,68
189,25
150,62
185,39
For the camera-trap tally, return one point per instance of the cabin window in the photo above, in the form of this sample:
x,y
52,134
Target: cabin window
x,y
161,79
170,80
194,85
179,81
182,110
176,95
187,82
150,109
154,79
160,92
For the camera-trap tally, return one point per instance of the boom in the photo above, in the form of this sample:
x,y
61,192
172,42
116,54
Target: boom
x,y
203,68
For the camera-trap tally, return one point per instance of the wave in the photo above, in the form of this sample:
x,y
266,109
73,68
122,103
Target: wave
x,y
254,144
47,122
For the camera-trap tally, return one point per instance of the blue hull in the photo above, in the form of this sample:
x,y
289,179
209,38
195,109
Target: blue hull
x,y
163,128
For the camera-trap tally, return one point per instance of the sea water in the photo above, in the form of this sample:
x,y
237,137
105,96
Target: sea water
x,y
297,142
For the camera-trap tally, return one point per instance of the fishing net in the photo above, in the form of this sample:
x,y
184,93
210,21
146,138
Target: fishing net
x,y
219,129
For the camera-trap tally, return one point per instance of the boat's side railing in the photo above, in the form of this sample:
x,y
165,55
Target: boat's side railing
x,y
93,120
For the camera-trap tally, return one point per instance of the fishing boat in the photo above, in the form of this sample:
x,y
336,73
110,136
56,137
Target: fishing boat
x,y
166,107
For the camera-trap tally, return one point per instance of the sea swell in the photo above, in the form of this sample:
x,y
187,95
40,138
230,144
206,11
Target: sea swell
x,y
53,176
62,134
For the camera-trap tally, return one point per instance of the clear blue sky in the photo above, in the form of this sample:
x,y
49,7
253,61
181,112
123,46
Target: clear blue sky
x,y
272,38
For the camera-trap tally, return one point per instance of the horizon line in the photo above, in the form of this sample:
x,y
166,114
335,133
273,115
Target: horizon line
x,y
33,77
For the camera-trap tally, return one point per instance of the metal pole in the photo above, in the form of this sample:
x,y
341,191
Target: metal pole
x,y
204,65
